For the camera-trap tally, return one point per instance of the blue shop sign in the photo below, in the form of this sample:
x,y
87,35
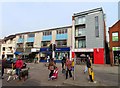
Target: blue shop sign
x,y
57,49
44,49
63,49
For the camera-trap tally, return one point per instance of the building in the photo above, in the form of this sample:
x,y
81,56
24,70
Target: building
x,y
86,36
39,42
1,41
114,43
8,47
89,35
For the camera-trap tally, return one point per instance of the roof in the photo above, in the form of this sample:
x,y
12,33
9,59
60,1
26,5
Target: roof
x,y
88,11
9,37
118,22
41,30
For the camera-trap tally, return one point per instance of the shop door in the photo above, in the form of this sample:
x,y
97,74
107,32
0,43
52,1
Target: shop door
x,y
116,57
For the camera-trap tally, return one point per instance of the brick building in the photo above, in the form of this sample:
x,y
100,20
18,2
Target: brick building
x,y
114,36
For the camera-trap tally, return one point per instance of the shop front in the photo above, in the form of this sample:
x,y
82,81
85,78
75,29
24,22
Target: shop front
x,y
59,54
44,53
81,55
62,52
116,55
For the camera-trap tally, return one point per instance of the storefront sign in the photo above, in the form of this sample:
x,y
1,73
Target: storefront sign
x,y
63,49
35,50
116,48
57,49
83,50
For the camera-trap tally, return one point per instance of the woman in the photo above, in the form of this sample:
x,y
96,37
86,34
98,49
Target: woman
x,y
68,68
51,67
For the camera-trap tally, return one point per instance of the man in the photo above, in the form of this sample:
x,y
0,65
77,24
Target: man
x,y
18,65
90,69
3,66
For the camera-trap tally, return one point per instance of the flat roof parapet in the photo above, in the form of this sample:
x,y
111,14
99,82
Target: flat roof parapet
x,y
87,12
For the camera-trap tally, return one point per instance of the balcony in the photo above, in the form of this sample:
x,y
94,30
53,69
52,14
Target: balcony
x,y
80,32
20,40
47,38
61,36
30,39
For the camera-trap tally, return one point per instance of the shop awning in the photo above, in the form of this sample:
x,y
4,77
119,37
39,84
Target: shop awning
x,y
18,53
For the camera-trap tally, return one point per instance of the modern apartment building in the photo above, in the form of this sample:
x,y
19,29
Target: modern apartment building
x,y
85,37
88,31
114,43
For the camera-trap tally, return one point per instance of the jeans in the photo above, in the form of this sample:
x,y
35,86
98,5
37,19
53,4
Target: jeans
x,y
86,69
18,72
70,74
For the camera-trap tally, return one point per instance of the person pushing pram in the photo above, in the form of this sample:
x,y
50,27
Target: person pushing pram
x,y
53,70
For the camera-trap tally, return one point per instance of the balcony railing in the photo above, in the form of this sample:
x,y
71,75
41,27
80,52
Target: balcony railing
x,y
30,39
20,40
61,36
47,38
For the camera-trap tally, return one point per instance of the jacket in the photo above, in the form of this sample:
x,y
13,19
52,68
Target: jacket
x,y
19,63
69,64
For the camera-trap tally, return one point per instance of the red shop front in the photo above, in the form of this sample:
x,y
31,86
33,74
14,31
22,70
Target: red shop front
x,y
99,56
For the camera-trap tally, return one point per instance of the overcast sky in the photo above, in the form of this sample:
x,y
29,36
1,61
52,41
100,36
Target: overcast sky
x,y
20,17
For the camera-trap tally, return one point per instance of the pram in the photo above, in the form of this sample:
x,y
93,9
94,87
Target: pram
x,y
55,74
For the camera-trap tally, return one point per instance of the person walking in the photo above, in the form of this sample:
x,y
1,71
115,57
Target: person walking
x,y
3,66
63,64
90,69
68,68
18,65
51,67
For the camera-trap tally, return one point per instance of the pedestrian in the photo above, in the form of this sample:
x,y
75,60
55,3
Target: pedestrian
x,y
18,65
68,68
73,65
3,66
35,59
86,68
63,64
51,67
90,70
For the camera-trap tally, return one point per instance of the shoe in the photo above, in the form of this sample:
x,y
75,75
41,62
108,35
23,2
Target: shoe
x,y
95,82
49,79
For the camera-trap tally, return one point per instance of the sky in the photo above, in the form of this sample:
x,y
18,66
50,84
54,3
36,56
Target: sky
x,y
20,17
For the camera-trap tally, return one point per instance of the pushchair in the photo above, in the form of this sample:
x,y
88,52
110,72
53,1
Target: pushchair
x,y
55,74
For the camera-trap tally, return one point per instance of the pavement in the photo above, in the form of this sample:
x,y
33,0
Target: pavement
x,y
105,75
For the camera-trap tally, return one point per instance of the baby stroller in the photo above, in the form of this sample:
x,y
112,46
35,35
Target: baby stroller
x,y
55,74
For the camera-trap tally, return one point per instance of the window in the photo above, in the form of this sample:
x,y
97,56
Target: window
x,y
80,43
46,33
80,20
45,43
3,48
30,44
65,30
115,36
61,43
31,35
80,31
96,26
61,31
